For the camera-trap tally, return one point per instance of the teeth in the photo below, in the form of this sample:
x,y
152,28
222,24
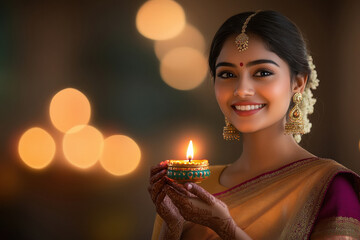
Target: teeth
x,y
249,107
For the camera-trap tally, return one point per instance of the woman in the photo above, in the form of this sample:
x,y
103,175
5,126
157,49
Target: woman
x,y
263,78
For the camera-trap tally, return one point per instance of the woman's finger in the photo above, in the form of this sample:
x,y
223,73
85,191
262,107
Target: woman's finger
x,y
160,198
156,188
180,188
200,193
177,198
157,176
158,168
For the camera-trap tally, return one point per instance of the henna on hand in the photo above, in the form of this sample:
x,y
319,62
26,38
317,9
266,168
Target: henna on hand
x,y
155,188
165,208
179,187
203,209
158,168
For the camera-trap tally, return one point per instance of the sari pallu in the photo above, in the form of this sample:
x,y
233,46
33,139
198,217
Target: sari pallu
x,y
282,204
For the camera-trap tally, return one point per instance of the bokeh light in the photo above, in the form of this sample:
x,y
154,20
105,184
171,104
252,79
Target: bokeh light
x,y
183,68
36,148
121,155
83,145
160,19
69,108
190,36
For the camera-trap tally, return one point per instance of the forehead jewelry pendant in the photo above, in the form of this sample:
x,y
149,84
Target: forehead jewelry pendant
x,y
242,40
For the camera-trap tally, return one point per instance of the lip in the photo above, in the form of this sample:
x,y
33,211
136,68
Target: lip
x,y
246,113
245,103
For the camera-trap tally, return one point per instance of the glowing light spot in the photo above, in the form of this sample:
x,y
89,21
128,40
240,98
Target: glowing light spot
x,y
160,19
69,108
190,151
183,68
189,37
83,145
36,148
121,155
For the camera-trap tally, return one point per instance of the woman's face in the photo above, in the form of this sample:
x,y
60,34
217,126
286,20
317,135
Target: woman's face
x,y
252,87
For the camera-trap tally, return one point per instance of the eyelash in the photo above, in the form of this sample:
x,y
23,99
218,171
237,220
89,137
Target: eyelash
x,y
220,75
263,73
266,72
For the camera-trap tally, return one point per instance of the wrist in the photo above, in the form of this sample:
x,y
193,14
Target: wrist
x,y
230,231
225,228
173,231
175,226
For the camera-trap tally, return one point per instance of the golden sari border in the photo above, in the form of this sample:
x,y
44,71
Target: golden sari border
x,y
337,226
304,222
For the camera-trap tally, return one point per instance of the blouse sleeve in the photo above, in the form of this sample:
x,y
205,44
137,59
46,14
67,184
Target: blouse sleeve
x,y
157,227
339,216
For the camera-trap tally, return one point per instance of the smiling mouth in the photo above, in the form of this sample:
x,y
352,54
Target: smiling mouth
x,y
248,107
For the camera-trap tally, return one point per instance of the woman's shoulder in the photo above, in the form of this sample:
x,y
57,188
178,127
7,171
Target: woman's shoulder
x,y
338,167
332,164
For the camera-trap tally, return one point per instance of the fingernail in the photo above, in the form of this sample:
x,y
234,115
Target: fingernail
x,y
189,186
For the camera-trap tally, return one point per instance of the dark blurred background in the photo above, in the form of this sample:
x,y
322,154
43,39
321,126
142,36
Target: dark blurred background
x,y
94,46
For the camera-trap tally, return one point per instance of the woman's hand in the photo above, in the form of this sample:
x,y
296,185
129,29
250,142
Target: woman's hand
x,y
164,206
203,208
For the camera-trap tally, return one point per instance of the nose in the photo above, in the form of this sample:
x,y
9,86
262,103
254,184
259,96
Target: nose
x,y
244,88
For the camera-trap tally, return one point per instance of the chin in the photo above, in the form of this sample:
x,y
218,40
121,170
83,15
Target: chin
x,y
248,129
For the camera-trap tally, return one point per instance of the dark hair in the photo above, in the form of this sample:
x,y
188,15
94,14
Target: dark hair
x,y
280,35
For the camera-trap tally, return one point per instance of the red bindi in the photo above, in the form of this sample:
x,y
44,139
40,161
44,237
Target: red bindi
x,y
241,64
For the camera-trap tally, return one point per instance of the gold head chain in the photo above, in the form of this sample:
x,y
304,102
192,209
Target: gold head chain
x,y
242,40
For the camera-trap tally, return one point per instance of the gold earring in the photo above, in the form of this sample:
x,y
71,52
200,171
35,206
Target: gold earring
x,y
230,132
295,124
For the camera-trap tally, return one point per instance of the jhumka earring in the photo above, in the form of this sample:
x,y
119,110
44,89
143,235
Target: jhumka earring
x,y
242,40
295,124
230,132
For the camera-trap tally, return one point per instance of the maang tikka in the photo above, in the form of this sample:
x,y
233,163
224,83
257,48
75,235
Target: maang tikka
x,y
242,40
230,132
295,125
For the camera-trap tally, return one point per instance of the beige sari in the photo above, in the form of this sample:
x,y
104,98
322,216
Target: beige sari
x,y
281,204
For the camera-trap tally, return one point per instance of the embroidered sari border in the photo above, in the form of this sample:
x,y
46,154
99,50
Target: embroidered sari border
x,y
266,175
322,198
304,222
337,226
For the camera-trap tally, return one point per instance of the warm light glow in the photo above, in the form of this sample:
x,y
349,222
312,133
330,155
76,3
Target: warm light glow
x,y
174,163
121,155
190,36
69,108
83,145
36,148
160,19
183,68
190,151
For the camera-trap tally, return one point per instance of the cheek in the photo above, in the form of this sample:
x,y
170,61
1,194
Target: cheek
x,y
278,95
222,94
279,88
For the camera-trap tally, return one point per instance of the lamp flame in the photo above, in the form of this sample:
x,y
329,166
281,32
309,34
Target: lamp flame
x,y
190,151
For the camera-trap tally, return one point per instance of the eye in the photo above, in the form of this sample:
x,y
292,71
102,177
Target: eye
x,y
263,73
225,75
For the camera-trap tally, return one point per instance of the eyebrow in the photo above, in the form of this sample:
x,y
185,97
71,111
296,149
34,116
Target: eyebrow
x,y
249,64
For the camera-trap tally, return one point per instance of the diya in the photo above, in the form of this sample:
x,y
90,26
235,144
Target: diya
x,y
188,170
